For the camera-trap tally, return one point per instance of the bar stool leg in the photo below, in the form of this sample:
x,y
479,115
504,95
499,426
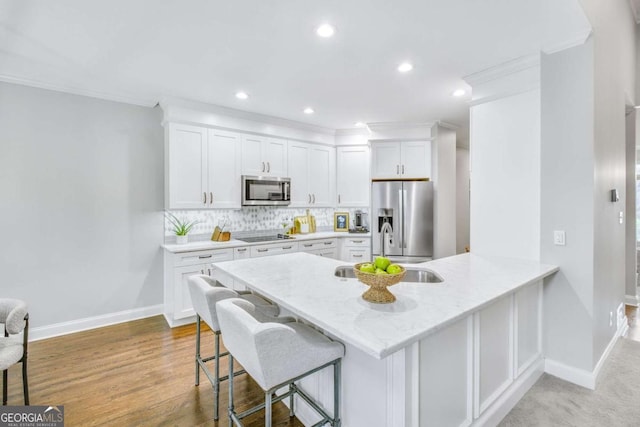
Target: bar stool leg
x,y
197,349
216,384
231,423
4,387
291,410
336,392
267,409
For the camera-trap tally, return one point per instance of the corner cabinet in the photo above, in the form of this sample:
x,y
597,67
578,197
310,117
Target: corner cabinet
x,y
311,168
352,176
264,156
401,160
201,168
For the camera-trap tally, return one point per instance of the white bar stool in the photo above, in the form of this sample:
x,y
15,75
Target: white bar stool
x,y
205,292
277,355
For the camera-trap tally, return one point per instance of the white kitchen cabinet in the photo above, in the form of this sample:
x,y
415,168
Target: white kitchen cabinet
x,y
352,176
311,168
264,156
273,249
401,160
355,249
202,168
325,247
178,267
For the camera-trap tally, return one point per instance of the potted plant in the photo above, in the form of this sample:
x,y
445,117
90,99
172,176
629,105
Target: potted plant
x,y
180,227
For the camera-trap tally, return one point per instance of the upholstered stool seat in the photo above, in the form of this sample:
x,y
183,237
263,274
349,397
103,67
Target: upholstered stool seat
x,y
277,355
13,348
205,292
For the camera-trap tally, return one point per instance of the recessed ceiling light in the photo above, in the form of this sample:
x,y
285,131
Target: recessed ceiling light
x,y
359,124
242,95
405,66
308,110
325,30
459,93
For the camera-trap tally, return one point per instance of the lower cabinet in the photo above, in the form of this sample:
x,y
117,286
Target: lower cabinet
x,y
178,267
326,248
355,249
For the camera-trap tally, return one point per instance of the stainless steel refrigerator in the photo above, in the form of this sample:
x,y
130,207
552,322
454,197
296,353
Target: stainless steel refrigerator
x,y
407,206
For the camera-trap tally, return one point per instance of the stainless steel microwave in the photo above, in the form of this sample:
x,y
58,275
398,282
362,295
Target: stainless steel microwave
x,y
265,191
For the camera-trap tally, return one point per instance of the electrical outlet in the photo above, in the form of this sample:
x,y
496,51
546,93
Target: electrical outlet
x,y
610,318
559,238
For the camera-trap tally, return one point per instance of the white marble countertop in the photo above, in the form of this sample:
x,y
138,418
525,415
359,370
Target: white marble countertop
x,y
233,243
305,285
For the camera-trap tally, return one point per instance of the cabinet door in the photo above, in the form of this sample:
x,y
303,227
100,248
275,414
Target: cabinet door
x,y
224,169
385,160
182,306
252,156
275,157
353,183
321,175
415,159
187,167
298,165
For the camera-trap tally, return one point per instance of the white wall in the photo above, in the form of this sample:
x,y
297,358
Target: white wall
x,y
81,181
631,291
462,199
443,169
505,176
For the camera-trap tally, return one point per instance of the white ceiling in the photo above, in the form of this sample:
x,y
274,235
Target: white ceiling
x,y
206,50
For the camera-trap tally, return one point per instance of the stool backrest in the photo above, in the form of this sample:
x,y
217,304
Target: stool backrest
x,y
12,315
262,348
205,292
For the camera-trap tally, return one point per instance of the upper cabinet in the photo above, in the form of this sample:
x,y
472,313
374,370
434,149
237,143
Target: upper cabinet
x,y
264,156
202,166
401,160
352,174
311,168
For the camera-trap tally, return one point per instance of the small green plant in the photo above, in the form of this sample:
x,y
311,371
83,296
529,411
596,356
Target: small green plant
x,y
180,227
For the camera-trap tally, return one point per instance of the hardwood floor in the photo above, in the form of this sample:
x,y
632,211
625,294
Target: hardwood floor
x,y
138,373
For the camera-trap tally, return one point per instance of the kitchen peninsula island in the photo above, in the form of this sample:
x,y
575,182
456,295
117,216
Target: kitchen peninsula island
x,y
458,352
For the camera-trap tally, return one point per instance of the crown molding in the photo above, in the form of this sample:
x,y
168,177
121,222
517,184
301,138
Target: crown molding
x,y
502,70
448,125
363,131
169,104
391,126
577,40
126,99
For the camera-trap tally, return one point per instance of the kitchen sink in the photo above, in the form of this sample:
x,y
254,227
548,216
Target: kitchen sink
x,y
413,275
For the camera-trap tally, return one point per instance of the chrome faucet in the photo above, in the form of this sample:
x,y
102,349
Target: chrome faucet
x,y
386,228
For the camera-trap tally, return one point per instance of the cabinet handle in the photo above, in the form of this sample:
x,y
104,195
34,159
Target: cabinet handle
x,y
202,271
209,272
268,167
357,241
210,198
309,198
402,169
328,243
287,247
307,245
205,198
314,199
357,256
262,166
204,256
338,198
263,250
241,249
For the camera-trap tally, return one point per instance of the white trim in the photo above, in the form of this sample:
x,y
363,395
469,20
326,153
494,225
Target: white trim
x,y
577,40
631,300
583,377
502,95
401,126
364,131
448,125
502,70
511,396
126,99
64,328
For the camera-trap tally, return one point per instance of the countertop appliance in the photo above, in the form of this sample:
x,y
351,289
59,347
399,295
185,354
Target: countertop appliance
x,y
265,191
360,222
407,208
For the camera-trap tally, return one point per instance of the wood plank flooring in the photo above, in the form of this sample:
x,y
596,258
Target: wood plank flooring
x,y
139,373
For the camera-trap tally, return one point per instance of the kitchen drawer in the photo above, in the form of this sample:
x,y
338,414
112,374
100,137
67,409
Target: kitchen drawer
x,y
325,252
242,253
358,242
357,255
273,249
309,245
199,257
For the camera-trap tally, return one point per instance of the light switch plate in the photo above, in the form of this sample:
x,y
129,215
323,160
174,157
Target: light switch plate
x,y
559,238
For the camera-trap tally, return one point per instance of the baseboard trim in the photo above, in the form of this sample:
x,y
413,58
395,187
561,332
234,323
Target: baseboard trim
x,y
64,328
511,396
582,377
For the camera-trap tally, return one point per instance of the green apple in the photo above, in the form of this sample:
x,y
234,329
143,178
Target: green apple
x,y
394,269
380,271
382,262
368,268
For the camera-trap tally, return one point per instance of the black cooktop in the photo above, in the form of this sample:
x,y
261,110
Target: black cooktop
x,y
264,238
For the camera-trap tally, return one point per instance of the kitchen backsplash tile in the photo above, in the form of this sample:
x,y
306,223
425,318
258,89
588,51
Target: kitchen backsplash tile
x,y
254,219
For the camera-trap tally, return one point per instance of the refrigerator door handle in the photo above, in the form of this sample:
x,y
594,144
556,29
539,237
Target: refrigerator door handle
x,y
402,194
